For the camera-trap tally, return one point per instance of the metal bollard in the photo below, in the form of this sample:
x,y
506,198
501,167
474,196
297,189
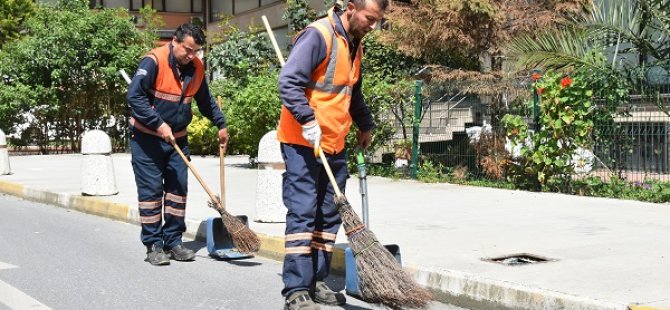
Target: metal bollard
x,y
97,170
269,202
4,155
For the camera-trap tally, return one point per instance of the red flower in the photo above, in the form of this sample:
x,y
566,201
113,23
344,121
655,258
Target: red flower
x,y
539,91
536,76
566,81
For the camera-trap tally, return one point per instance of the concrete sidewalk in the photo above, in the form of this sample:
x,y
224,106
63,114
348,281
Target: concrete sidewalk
x,y
604,253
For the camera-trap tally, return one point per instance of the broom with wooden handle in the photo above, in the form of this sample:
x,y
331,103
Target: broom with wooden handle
x,y
222,170
381,278
245,240
221,207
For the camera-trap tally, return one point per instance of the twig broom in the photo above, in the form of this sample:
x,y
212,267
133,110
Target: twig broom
x,y
381,278
245,240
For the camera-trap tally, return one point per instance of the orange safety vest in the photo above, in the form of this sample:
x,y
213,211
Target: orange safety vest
x,y
166,94
328,93
168,86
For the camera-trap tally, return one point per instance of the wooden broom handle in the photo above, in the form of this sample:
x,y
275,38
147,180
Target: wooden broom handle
x,y
222,164
319,150
273,40
195,173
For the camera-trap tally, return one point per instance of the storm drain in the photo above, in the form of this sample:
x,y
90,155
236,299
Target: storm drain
x,y
519,259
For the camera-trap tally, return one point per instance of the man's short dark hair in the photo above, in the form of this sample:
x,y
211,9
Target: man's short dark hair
x,y
383,4
191,30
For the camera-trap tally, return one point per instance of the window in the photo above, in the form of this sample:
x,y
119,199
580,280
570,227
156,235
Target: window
x,y
136,5
235,7
242,6
178,6
158,5
115,3
219,8
197,6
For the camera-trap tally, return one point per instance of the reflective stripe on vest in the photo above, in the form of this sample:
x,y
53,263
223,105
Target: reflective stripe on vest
x,y
327,86
169,97
329,92
167,86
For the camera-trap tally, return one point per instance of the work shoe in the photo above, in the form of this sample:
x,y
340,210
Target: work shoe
x,y
180,253
156,256
300,300
324,295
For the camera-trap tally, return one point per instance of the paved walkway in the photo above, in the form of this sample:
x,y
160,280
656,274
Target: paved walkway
x,y
604,253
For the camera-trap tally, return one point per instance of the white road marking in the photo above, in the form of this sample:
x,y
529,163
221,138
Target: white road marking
x,y
6,266
14,298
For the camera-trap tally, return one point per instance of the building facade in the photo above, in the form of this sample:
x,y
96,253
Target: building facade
x,y
211,13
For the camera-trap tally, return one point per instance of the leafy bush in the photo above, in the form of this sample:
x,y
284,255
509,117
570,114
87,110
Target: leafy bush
x,y
243,54
648,190
202,135
12,15
63,72
564,124
298,14
251,110
382,170
430,173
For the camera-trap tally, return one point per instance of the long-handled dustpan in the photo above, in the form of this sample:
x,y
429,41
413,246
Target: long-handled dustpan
x,y
219,241
351,275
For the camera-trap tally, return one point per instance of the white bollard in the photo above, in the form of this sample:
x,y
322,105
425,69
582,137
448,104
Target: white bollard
x,y
4,155
97,170
269,202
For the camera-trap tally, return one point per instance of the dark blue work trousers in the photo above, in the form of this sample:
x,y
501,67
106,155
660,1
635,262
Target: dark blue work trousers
x,y
312,220
161,177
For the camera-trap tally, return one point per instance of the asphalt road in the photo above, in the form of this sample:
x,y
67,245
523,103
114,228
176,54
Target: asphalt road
x,y
55,258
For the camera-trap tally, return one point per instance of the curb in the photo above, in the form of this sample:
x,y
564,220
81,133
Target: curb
x,y
90,205
467,290
646,307
448,286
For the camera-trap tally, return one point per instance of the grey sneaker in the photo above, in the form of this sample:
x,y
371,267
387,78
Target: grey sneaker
x,y
300,300
156,256
324,295
180,253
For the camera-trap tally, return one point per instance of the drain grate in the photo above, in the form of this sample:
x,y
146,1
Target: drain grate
x,y
519,259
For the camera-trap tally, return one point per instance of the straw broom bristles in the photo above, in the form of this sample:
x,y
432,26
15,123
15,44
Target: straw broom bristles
x,y
381,278
245,240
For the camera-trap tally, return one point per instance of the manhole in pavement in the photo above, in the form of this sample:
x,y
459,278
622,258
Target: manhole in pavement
x,y
519,259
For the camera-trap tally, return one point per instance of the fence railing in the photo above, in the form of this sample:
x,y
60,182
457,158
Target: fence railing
x,y
466,135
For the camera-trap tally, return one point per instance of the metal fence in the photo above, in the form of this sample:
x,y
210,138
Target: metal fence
x,y
634,145
464,135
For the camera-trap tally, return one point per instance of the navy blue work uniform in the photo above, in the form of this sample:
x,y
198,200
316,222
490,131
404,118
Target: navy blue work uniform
x,y
161,91
317,85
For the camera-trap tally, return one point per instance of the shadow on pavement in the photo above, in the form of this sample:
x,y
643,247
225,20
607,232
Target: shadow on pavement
x,y
195,246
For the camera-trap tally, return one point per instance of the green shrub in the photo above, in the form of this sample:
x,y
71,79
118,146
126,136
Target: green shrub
x,y
564,124
251,111
430,173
